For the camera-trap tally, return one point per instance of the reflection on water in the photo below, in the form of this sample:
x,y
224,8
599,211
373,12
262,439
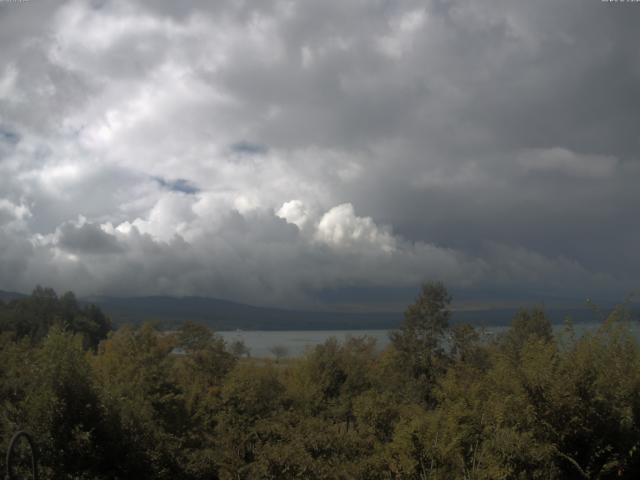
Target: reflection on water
x,y
297,342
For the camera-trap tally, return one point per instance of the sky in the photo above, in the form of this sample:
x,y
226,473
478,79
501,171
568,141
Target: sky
x,y
320,153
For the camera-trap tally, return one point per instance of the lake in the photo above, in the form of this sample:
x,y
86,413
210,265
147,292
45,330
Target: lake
x,y
297,342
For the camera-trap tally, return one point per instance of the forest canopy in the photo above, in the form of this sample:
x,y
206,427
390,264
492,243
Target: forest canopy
x,y
440,401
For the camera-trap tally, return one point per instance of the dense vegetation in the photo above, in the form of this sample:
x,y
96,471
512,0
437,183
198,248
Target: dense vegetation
x,y
440,402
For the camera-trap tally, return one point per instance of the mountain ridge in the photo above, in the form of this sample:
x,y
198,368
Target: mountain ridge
x,y
7,296
229,315
220,314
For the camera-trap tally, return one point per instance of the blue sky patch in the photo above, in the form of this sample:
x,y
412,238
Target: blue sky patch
x,y
249,148
9,136
178,185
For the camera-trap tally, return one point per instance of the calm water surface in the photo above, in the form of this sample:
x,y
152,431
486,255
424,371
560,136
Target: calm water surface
x,y
297,342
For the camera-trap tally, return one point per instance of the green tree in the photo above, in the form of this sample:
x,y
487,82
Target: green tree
x,y
252,394
62,409
132,371
526,326
279,352
419,342
32,317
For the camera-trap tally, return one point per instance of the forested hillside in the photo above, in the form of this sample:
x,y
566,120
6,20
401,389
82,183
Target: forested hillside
x,y
438,403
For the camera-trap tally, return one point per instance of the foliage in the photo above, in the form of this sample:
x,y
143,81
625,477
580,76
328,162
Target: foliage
x,y
418,344
33,316
439,402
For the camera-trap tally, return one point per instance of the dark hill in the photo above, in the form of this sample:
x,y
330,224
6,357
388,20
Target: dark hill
x,y
171,312
227,315
8,296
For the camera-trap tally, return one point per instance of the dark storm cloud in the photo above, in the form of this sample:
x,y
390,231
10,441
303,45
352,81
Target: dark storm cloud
x,y
274,151
87,238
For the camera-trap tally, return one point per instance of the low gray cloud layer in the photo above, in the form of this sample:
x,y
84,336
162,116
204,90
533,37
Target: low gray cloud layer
x,y
270,151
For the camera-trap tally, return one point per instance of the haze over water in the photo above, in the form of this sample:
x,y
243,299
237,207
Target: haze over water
x,y
297,342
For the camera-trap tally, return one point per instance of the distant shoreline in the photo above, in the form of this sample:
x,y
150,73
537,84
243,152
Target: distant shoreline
x,y
297,342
